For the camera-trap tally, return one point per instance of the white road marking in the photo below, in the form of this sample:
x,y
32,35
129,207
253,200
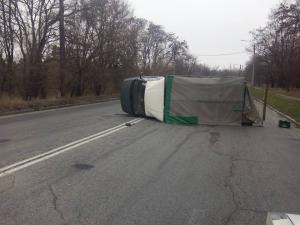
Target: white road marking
x,y
57,151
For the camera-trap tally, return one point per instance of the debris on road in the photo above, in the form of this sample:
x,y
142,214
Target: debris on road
x,y
284,124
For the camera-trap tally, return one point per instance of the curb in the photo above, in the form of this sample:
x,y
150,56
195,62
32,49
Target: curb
x,y
16,112
281,113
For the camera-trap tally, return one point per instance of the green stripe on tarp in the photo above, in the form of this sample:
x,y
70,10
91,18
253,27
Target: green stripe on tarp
x,y
168,90
168,118
188,120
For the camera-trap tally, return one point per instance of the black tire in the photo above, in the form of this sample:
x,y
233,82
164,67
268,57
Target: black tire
x,y
137,98
126,96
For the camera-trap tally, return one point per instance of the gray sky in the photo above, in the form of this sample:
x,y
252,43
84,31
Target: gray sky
x,y
209,26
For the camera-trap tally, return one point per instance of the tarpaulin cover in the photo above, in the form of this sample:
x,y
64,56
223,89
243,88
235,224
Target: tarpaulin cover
x,y
217,100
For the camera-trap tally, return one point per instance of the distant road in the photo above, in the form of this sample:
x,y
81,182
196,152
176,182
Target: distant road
x,y
85,165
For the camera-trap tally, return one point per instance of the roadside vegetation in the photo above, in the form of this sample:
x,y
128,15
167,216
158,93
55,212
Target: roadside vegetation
x,y
280,101
294,93
15,104
277,47
71,48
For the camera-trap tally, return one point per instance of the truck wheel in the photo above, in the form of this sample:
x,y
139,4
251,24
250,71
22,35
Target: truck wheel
x,y
126,98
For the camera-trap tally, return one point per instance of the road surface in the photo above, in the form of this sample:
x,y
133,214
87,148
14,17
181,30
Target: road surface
x,y
149,173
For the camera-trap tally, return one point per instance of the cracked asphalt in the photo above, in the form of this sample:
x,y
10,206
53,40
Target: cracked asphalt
x,y
147,174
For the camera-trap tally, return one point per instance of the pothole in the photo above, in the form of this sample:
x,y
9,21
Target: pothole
x,y
3,140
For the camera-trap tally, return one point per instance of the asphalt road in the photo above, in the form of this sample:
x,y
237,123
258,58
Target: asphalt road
x,y
146,174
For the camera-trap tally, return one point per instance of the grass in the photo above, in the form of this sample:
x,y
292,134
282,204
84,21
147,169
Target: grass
x,y
12,104
285,105
292,93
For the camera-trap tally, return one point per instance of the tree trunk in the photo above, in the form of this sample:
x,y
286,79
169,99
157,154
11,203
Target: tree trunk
x,y
62,51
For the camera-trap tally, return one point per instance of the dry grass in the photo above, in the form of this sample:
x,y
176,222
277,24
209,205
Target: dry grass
x,y
11,104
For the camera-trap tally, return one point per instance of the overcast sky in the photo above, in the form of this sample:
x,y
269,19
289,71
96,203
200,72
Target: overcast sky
x,y
209,26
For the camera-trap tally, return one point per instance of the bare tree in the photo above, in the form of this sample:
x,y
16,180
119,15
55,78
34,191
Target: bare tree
x,y
7,44
278,45
78,47
36,20
62,51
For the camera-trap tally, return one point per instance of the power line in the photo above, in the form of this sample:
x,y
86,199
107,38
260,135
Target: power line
x,y
224,54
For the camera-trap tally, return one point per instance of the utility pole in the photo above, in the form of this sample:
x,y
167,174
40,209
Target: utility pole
x,y
254,60
253,69
265,101
62,47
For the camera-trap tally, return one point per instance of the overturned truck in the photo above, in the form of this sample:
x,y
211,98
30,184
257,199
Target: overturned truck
x,y
190,100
